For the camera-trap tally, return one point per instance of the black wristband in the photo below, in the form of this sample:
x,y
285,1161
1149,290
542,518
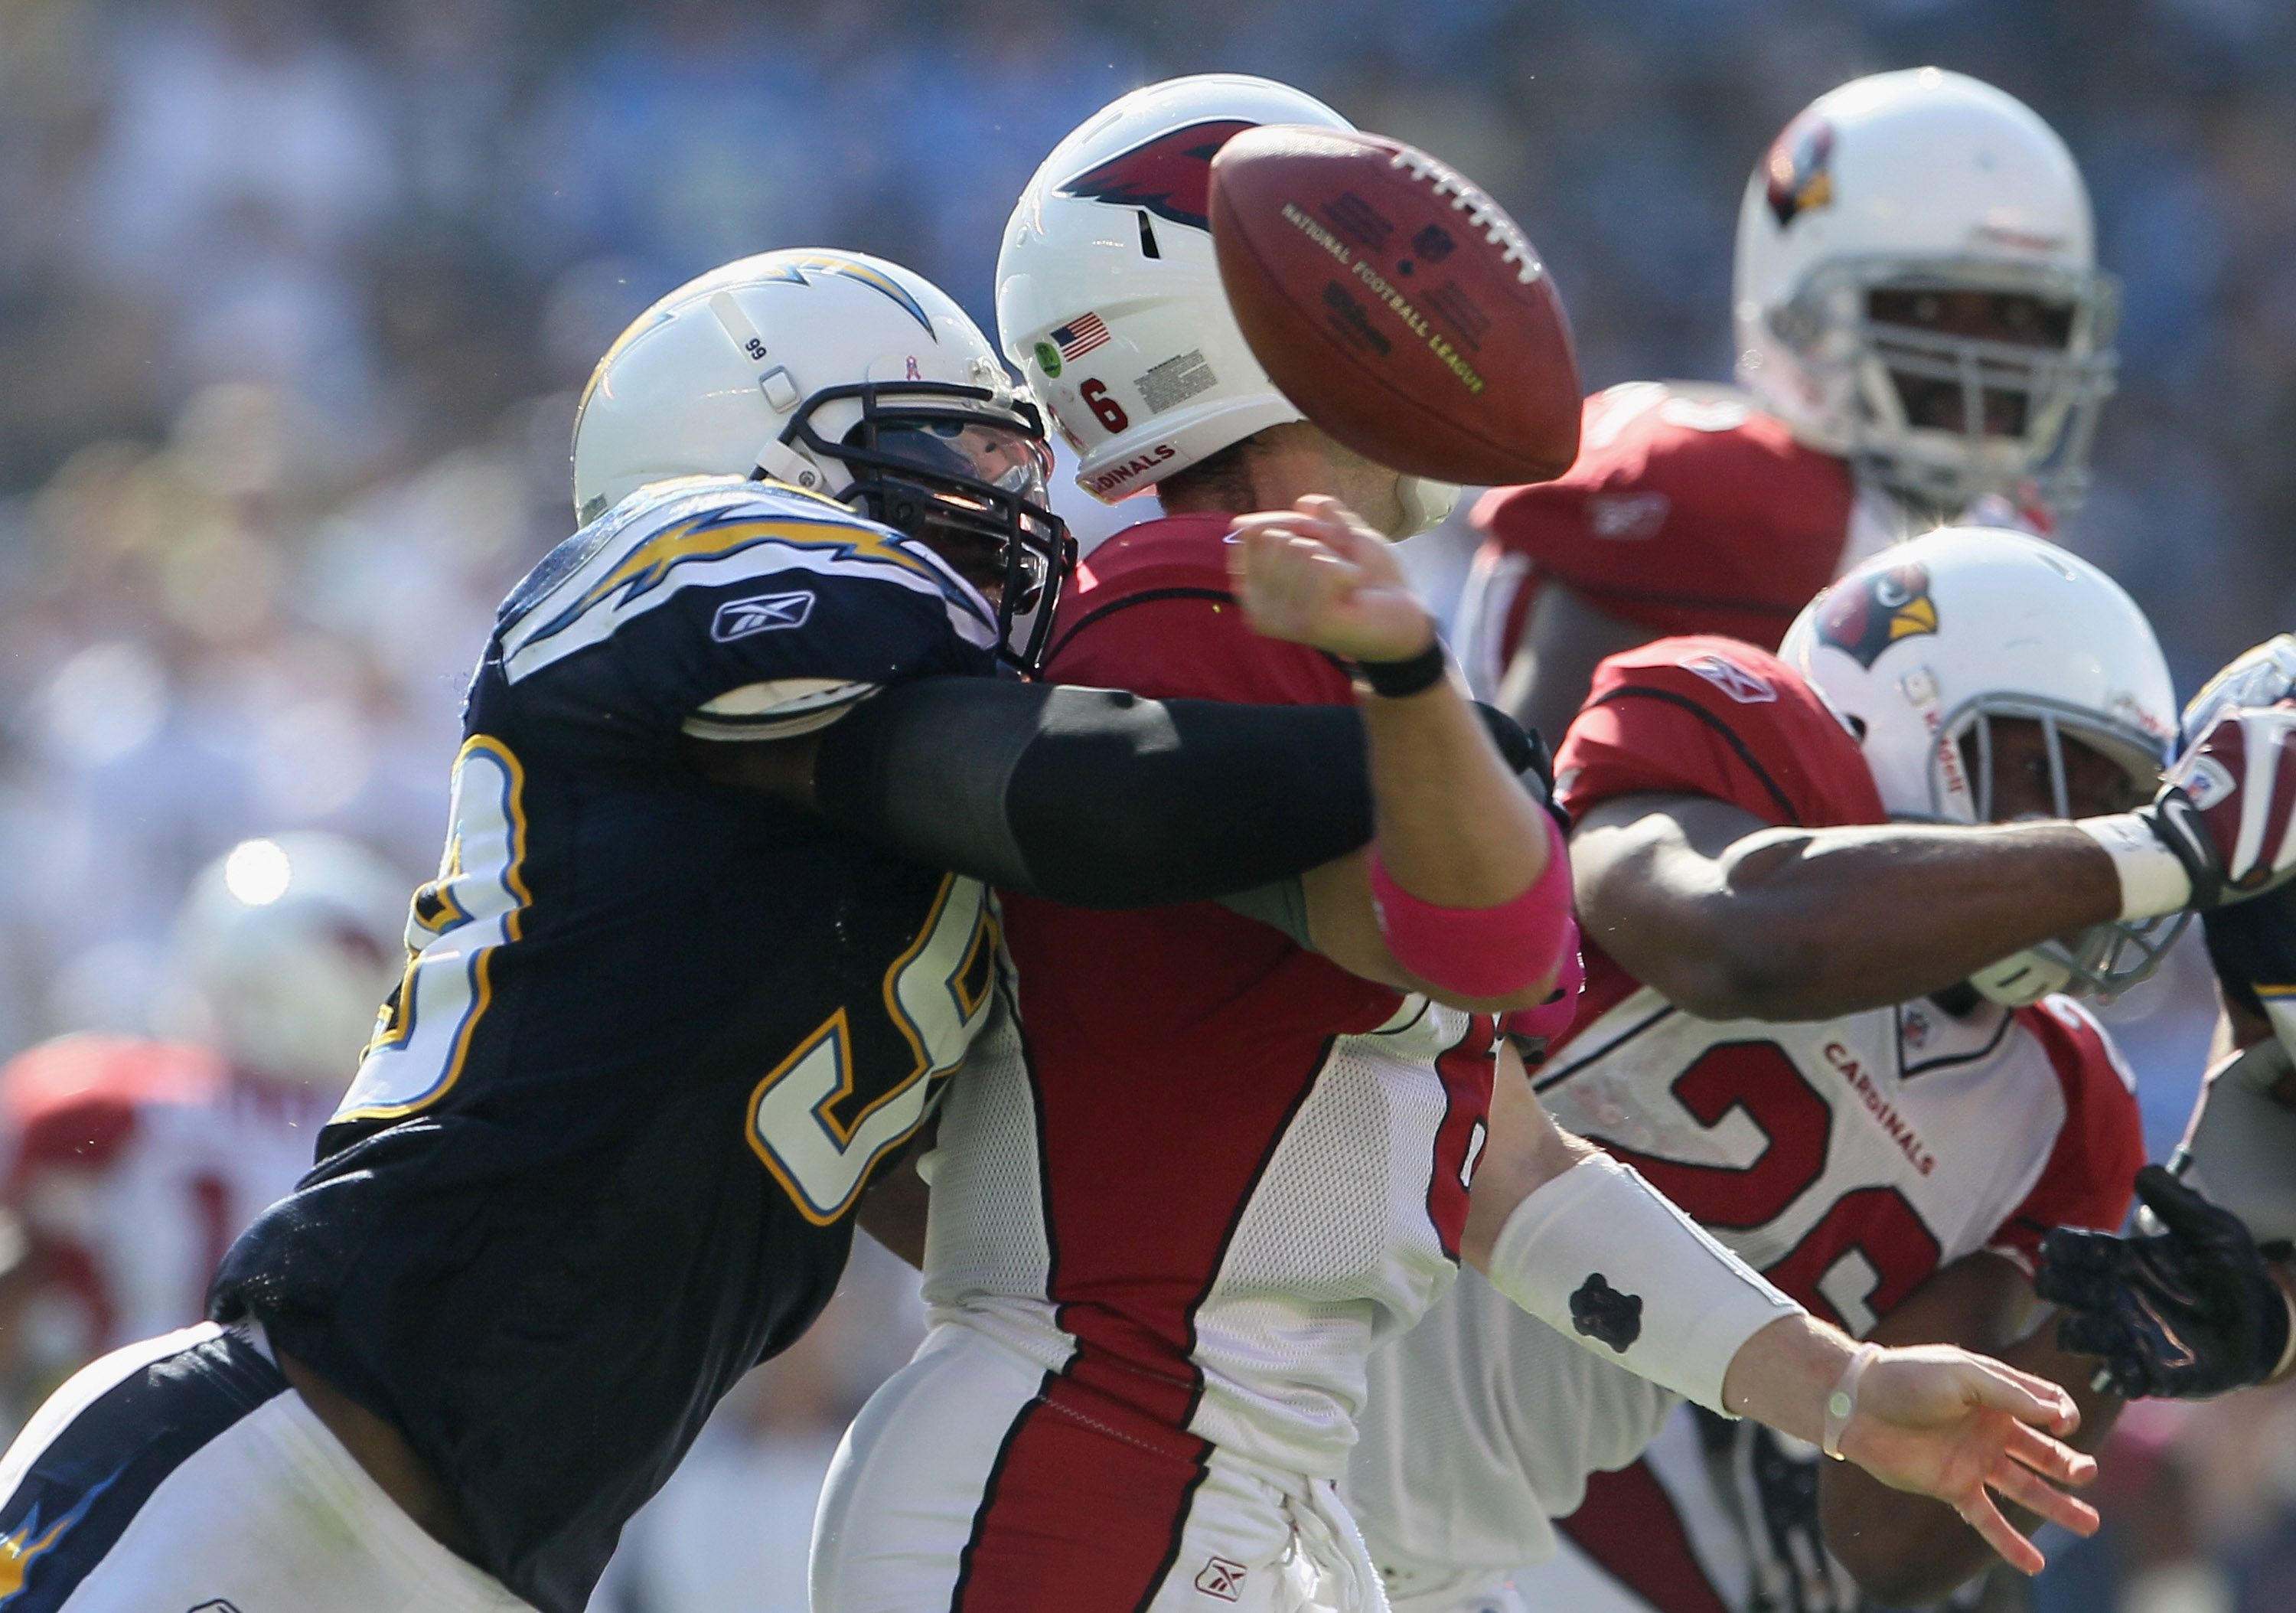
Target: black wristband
x,y
1395,679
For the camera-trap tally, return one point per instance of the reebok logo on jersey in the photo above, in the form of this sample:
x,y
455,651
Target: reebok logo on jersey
x,y
1223,1580
1627,515
1745,687
216,1606
1602,1312
762,613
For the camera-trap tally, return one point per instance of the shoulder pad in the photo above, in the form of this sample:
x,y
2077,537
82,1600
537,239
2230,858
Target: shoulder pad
x,y
716,532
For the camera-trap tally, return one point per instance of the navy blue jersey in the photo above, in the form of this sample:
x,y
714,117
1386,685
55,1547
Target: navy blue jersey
x,y
655,1034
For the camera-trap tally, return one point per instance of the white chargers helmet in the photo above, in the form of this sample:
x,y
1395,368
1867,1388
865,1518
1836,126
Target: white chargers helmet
x,y
291,944
848,376
1922,648
1904,187
1109,299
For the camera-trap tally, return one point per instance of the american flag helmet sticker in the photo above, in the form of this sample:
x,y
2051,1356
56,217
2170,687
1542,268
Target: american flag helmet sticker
x,y
1079,337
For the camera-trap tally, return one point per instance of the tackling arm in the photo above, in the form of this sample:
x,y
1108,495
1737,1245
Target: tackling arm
x,y
1733,919
1093,797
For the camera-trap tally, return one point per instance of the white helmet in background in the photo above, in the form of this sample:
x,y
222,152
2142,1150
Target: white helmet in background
x,y
291,944
1109,299
844,375
1915,183
1923,645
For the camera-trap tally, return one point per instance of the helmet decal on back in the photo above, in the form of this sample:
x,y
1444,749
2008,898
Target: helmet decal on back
x,y
1866,614
790,268
1800,168
1169,176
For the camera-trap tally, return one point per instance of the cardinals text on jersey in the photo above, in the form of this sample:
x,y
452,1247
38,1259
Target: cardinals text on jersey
x,y
1847,1159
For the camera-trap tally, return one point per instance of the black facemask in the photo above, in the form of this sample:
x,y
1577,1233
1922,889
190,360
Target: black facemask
x,y
957,469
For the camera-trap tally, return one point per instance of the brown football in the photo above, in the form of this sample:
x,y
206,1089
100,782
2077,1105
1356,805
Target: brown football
x,y
1397,304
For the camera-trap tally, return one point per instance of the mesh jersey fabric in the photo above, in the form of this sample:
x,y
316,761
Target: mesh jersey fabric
x,y
1250,1164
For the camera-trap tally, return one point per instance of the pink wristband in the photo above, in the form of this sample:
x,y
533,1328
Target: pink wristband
x,y
1480,951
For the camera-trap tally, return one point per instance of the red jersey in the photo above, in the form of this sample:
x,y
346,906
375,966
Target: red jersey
x,y
1688,511
1226,1169
134,1165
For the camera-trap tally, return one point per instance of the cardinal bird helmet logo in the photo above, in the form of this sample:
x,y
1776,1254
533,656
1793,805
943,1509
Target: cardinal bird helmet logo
x,y
1170,175
1862,616
1799,170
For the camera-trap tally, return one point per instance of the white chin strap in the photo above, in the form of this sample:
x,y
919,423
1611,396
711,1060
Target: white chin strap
x,y
1424,503
784,463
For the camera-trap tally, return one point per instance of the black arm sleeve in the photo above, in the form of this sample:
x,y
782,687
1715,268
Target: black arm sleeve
x,y
1099,798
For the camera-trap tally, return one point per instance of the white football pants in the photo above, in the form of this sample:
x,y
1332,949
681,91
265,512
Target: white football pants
x,y
183,1473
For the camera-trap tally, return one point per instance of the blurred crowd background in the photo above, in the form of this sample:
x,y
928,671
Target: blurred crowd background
x,y
296,295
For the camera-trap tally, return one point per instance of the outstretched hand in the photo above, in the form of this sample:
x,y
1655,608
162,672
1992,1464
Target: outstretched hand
x,y
1937,1421
1317,574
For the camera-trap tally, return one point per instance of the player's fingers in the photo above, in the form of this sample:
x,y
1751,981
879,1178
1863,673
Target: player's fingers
x,y
1282,566
2069,1254
2029,1448
1987,1382
1979,1512
2023,1487
1326,510
1326,525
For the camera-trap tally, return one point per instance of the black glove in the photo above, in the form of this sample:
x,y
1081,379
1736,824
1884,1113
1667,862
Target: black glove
x,y
2187,1313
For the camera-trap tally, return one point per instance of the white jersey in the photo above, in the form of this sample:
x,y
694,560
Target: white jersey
x,y
134,1165
1248,1311
1846,1159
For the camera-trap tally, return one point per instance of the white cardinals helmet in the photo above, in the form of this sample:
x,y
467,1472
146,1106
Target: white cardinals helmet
x,y
1109,300
291,944
1899,188
848,376
1922,648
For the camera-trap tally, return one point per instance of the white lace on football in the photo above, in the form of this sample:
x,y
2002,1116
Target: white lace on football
x,y
1482,212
